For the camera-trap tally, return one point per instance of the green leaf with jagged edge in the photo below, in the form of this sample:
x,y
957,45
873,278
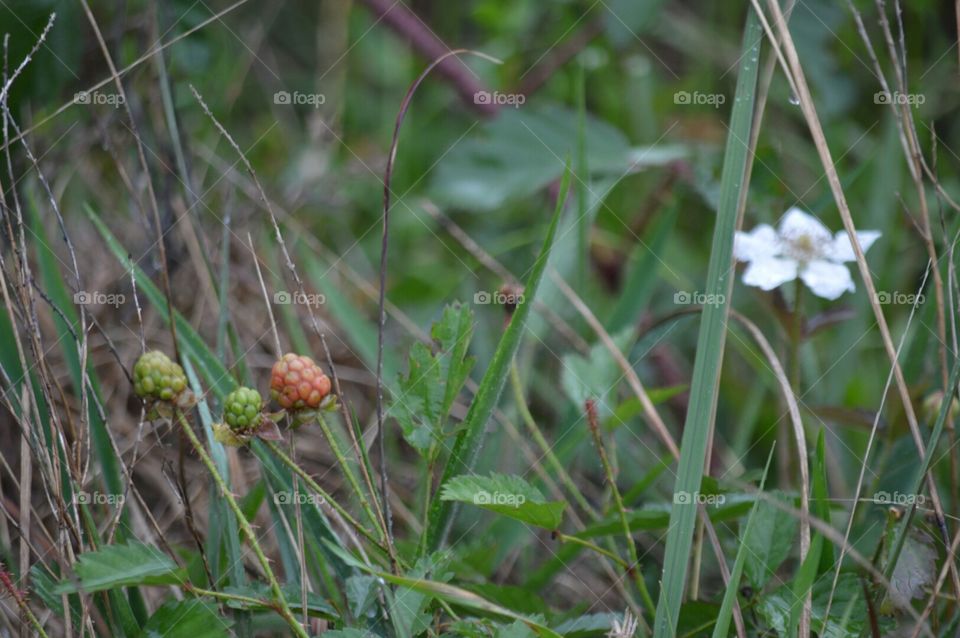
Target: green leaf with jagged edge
x,y
434,379
467,445
848,611
122,566
508,495
187,619
461,597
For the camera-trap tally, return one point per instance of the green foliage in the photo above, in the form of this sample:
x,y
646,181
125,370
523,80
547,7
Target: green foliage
x,y
434,379
465,448
507,495
516,154
634,122
596,375
848,612
773,537
122,566
187,619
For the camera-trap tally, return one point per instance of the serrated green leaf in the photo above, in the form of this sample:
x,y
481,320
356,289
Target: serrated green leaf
x,y
122,566
508,495
848,611
434,379
588,625
462,597
515,630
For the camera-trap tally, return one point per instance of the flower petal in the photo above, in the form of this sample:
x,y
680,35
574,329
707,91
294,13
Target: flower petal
x,y
797,223
841,250
827,279
769,272
759,243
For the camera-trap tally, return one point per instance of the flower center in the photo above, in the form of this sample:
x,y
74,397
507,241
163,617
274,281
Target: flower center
x,y
803,248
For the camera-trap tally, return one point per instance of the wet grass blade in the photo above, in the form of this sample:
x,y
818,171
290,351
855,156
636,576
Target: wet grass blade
x,y
710,341
467,444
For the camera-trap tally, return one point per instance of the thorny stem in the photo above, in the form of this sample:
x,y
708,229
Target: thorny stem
x,y
282,607
219,595
591,409
351,477
313,485
21,601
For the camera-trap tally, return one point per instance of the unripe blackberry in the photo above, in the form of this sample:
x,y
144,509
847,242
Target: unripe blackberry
x,y
241,409
156,377
297,383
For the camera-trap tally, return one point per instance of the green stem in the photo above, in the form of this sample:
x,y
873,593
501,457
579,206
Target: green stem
x,y
796,338
565,538
283,608
545,447
219,595
621,510
795,335
313,485
22,603
351,477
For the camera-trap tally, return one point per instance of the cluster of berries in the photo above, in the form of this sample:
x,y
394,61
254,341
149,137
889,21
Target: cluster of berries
x,y
297,384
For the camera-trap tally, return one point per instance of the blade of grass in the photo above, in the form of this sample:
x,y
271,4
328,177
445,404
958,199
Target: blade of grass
x,y
467,444
720,630
710,341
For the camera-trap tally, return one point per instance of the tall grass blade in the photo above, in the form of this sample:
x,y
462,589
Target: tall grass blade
x,y
710,341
